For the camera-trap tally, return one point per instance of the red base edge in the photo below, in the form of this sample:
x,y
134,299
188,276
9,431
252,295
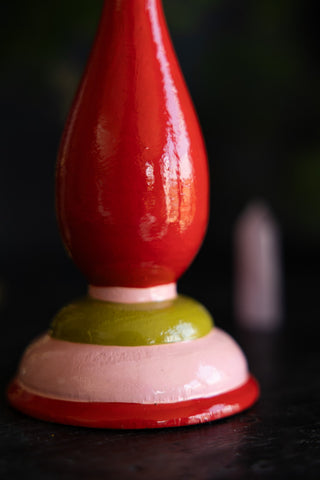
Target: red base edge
x,y
134,415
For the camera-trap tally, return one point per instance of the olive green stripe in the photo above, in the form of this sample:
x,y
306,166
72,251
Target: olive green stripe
x,y
104,323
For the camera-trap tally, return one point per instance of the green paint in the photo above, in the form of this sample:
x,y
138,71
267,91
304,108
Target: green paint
x,y
104,323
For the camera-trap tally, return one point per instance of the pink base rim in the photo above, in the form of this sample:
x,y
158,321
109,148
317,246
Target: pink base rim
x,y
134,415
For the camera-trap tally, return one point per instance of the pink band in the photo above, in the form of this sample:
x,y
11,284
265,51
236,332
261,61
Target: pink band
x,y
168,373
134,295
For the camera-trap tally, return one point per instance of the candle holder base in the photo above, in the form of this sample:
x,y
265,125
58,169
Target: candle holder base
x,y
134,415
144,386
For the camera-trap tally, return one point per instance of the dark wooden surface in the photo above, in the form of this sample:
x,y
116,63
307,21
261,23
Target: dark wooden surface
x,y
278,438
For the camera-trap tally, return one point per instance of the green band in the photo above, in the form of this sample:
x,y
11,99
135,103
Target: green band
x,y
104,323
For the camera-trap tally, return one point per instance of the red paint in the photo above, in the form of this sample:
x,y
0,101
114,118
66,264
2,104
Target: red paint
x,y
134,415
132,180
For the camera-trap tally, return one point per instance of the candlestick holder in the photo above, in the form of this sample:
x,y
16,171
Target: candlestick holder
x,y
132,204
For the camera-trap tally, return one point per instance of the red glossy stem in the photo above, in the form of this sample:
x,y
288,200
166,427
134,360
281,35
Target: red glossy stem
x,y
134,415
132,180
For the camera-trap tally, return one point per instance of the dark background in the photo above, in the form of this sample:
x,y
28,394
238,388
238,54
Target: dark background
x,y
253,70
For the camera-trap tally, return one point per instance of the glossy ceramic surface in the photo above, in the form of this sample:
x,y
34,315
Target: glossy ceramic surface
x,y
132,183
165,373
132,204
156,293
105,323
133,415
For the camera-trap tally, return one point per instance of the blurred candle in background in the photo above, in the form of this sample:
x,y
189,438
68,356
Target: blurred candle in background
x,y
258,302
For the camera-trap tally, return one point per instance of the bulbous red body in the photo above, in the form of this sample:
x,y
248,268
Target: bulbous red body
x,y
132,180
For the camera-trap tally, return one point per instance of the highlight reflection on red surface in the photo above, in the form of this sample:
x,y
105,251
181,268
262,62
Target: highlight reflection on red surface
x,y
134,415
132,180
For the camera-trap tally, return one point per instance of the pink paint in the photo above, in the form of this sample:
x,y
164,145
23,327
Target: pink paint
x,y
258,276
134,295
168,373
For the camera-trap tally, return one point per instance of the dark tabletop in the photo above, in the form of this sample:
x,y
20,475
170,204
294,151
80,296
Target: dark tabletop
x,y
276,438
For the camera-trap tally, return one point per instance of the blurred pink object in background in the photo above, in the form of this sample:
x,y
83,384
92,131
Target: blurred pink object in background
x,y
258,273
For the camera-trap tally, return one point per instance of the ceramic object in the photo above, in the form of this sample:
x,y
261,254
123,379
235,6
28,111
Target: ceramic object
x,y
132,202
258,275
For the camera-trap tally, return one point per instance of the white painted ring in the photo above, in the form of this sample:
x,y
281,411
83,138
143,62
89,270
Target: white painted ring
x,y
134,295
